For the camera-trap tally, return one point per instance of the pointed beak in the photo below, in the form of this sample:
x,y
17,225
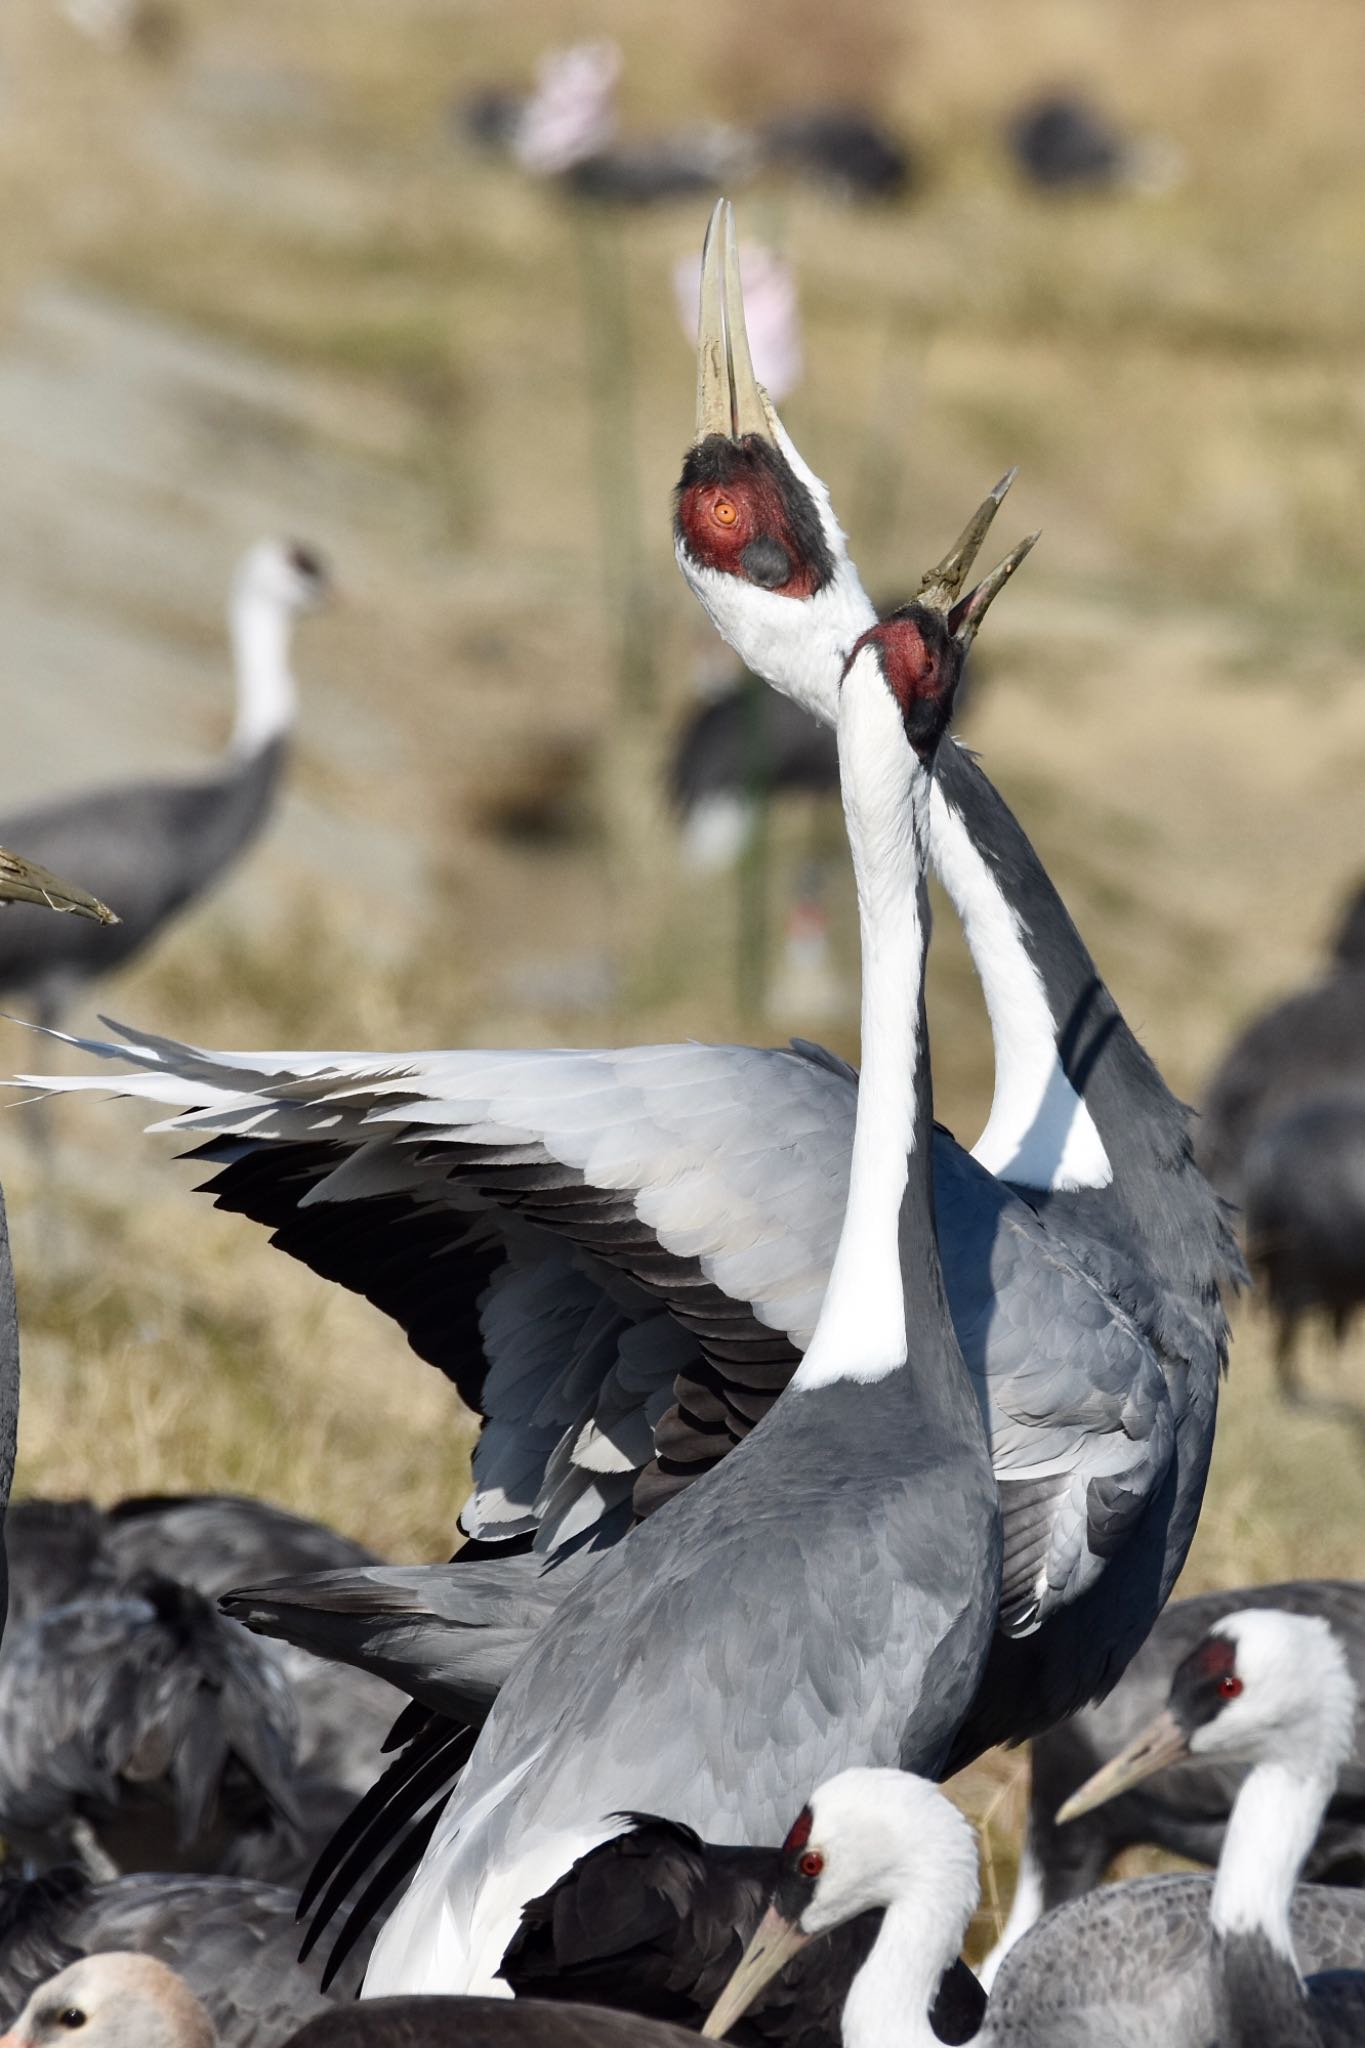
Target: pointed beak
x,y
940,586
772,1947
964,620
22,881
1162,1742
730,399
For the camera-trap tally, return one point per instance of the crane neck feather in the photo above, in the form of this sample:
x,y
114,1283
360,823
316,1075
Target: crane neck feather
x,y
861,1331
260,626
890,1998
1273,1825
1040,1132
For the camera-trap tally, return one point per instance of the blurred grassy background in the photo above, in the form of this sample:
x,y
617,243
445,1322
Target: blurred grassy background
x,y
398,339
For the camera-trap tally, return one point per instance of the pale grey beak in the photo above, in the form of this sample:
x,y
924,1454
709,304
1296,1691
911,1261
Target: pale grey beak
x,y
22,881
1162,1742
772,1947
730,399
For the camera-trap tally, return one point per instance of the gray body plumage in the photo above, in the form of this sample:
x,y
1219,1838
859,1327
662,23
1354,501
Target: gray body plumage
x,y
233,1940
149,849
1129,1965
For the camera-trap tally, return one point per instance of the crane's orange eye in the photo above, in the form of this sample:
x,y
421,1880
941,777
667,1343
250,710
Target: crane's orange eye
x,y
811,1864
724,513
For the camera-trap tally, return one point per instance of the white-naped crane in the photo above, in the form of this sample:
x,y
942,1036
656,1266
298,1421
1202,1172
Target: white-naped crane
x,y
1082,1128
1158,1962
152,847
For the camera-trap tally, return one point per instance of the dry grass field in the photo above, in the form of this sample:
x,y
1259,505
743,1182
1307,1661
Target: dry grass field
x,y
1173,692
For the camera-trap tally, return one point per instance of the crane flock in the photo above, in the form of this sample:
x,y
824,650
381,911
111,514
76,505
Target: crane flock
x,y
818,1454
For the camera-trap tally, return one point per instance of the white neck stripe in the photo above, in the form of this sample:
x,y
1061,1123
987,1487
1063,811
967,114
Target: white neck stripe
x,y
1040,1133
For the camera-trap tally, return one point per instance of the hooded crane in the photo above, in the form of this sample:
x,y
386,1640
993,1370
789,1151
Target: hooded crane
x,y
1273,1690
152,847
233,1940
655,1922
1159,1962
652,1232
118,1999
1283,1135
1184,1811
830,1590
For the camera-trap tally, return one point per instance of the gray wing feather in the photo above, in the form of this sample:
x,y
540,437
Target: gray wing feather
x,y
716,1177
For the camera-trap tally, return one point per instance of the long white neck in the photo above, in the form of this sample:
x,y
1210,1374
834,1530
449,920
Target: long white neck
x,y
260,627
860,1334
890,1998
1273,1825
1040,1133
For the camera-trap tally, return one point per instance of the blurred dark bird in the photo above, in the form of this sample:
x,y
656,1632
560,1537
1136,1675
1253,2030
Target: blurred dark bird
x,y
68,1550
1283,1136
735,751
233,1941
1183,1811
142,1730
685,165
844,149
1065,142
152,847
567,130
744,744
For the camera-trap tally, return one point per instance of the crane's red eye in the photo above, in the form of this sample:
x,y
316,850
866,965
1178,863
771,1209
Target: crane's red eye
x,y
811,1864
1229,1687
724,512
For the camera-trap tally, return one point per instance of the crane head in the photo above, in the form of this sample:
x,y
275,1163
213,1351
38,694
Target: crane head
x,y
287,574
755,534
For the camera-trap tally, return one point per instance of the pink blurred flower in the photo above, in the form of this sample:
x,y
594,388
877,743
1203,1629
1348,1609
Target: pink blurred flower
x,y
572,112
771,314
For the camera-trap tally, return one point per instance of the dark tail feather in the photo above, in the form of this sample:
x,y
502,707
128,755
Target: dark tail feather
x,y
410,1781
402,1860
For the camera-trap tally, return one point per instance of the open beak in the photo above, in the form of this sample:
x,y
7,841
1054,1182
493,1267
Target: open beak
x,y
22,881
1162,1742
730,399
772,1947
940,586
